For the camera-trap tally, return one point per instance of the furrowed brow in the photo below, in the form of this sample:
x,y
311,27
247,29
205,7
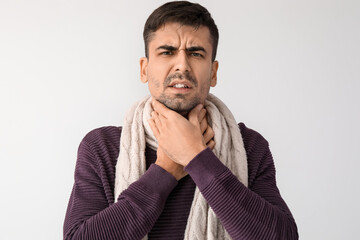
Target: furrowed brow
x,y
167,47
196,49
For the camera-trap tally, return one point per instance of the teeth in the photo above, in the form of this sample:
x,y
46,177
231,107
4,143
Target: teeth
x,y
179,85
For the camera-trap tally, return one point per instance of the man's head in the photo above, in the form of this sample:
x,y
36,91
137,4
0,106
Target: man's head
x,y
184,13
180,44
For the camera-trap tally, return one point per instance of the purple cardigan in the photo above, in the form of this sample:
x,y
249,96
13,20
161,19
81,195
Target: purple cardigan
x,y
158,205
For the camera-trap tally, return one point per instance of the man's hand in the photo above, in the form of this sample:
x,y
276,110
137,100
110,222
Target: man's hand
x,y
206,130
169,165
181,139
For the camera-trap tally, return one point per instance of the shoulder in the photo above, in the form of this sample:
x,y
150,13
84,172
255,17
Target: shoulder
x,y
104,135
97,157
258,154
96,160
101,143
252,139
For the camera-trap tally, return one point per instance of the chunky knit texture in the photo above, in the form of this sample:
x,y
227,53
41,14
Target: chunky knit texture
x,y
158,205
136,135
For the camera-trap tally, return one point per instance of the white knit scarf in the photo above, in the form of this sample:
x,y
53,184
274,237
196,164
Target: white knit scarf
x,y
136,134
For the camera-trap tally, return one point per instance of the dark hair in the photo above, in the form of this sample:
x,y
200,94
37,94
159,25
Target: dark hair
x,y
185,13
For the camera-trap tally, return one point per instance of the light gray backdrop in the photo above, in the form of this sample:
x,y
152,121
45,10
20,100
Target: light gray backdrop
x,y
288,69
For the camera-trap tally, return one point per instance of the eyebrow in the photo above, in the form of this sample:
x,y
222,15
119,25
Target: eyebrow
x,y
190,49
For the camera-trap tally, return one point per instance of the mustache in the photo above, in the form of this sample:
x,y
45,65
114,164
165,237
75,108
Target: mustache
x,y
186,76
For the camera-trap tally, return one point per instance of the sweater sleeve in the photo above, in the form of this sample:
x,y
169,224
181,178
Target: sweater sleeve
x,y
256,212
92,213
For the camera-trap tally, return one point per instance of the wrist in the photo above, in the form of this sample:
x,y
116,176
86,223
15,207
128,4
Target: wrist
x,y
194,153
176,170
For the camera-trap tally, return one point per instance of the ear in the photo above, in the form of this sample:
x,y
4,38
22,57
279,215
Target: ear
x,y
143,69
214,68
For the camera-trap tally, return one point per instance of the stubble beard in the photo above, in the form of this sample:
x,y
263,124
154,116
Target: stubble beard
x,y
179,103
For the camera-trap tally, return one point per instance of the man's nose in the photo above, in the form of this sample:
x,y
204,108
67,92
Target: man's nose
x,y
182,62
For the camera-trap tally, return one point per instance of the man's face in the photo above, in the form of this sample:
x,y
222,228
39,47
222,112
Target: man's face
x,y
179,69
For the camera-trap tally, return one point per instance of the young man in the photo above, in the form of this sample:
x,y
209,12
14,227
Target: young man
x,y
180,167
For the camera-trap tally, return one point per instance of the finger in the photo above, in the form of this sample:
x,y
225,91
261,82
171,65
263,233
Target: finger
x,y
154,128
202,114
160,108
209,134
161,117
194,114
155,116
211,144
203,125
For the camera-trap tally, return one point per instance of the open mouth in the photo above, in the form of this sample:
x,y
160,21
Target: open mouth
x,y
180,85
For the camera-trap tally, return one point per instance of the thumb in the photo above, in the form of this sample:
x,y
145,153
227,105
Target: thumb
x,y
194,114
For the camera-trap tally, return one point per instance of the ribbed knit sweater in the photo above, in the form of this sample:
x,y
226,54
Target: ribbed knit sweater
x,y
158,205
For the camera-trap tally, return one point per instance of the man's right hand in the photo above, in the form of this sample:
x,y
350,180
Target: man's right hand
x,y
169,165
176,169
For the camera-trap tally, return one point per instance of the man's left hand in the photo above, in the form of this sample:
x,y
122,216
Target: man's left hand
x,y
180,138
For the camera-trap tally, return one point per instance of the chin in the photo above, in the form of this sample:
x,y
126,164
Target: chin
x,y
180,104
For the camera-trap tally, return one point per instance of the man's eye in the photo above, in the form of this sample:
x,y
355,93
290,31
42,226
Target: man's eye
x,y
166,53
195,54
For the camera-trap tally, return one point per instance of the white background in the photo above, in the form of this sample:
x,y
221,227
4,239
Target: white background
x,y
288,69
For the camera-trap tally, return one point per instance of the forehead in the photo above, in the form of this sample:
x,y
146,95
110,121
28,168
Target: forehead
x,y
179,35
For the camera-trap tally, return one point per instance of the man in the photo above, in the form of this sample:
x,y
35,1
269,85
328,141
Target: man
x,y
180,167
